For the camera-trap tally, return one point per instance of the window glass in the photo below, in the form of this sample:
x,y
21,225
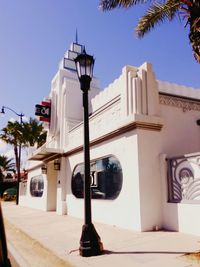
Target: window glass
x,y
106,178
37,186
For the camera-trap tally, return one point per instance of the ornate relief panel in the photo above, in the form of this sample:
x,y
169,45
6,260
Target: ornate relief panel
x,y
184,104
184,179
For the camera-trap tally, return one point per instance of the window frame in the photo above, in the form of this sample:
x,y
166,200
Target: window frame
x,y
39,191
101,179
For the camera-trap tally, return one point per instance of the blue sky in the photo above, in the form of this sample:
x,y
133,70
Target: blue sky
x,y
35,35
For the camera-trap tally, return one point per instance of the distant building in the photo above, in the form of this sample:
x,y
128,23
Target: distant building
x,y
144,141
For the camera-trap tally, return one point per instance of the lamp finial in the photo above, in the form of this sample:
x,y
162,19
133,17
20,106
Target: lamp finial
x,y
76,38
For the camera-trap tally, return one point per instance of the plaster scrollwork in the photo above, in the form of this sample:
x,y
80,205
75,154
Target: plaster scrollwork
x,y
99,124
184,104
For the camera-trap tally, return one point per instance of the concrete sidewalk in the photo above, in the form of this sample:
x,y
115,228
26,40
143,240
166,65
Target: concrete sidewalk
x,y
61,235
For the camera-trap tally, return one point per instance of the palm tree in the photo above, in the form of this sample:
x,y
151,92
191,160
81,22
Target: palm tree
x,y
158,12
12,135
33,133
6,164
194,20
23,134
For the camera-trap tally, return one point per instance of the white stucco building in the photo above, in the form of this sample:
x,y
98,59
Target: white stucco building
x,y
144,143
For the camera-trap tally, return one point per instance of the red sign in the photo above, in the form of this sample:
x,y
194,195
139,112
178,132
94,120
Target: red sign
x,y
44,111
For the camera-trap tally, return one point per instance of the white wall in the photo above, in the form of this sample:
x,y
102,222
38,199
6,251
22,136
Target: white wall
x,y
125,210
150,183
182,217
180,134
61,207
47,201
35,202
51,187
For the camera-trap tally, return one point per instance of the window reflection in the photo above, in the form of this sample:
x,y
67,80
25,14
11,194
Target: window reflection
x,y
37,186
106,179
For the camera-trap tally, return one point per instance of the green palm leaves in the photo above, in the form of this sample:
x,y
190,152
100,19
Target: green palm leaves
x,y
29,133
157,13
193,12
33,133
12,133
160,11
110,4
6,164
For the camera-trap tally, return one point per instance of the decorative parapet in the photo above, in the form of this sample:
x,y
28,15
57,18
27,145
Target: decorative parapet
x,y
184,104
178,90
104,120
184,178
186,98
137,89
105,96
75,135
130,102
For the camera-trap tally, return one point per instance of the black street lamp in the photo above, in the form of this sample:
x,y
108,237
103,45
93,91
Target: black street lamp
x,y
90,242
19,151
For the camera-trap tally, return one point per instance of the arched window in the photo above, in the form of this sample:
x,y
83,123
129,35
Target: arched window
x,y
37,186
106,178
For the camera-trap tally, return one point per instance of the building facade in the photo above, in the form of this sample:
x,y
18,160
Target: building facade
x,y
144,143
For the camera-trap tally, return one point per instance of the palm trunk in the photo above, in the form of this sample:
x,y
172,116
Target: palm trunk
x,y
17,159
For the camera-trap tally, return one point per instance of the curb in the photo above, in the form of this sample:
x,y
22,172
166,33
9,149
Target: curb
x,y
39,254
15,258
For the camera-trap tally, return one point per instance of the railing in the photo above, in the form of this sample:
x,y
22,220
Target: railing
x,y
184,179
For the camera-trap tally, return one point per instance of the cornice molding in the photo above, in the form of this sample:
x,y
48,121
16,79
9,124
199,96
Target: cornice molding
x,y
121,130
124,129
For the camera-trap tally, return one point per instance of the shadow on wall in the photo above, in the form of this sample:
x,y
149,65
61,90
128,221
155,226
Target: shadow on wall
x,y
68,177
170,210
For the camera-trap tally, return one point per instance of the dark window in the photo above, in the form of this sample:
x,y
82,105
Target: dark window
x,y
106,178
37,186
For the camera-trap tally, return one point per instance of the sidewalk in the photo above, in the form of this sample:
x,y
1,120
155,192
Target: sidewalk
x,y
61,235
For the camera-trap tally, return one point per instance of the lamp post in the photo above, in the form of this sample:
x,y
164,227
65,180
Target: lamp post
x,y
19,151
90,242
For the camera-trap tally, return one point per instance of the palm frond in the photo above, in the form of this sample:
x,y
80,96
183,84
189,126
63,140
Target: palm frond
x,y
32,132
12,133
157,13
106,5
194,37
6,164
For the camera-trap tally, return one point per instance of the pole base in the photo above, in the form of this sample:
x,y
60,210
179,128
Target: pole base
x,y
90,242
